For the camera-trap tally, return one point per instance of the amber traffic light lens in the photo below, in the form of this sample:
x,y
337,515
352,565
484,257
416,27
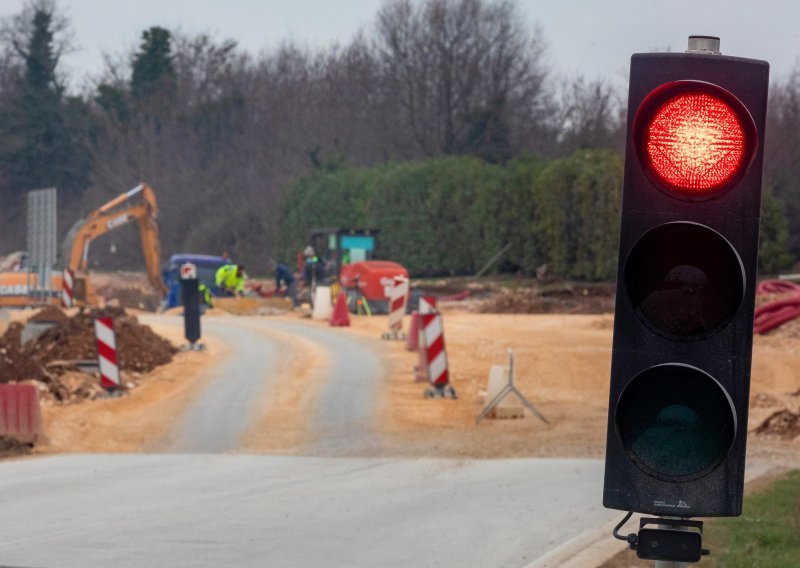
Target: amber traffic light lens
x,y
684,280
694,139
676,423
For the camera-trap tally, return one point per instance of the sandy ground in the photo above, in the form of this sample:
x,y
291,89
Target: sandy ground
x,y
139,421
562,365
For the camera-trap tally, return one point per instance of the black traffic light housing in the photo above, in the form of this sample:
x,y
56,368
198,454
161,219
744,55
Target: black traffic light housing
x,y
683,325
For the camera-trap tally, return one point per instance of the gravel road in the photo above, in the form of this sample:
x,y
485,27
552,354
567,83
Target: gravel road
x,y
343,413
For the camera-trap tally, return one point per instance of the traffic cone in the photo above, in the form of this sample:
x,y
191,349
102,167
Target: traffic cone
x,y
341,315
412,341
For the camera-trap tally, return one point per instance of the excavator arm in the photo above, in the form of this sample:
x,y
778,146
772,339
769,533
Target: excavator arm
x,y
113,215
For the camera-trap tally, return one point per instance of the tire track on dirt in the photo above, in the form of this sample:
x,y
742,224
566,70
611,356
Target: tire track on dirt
x,y
343,414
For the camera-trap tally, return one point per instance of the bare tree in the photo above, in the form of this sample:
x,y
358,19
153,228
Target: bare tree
x,y
463,76
591,116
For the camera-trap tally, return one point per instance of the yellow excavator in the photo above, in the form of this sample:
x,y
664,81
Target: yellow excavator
x,y
139,204
112,215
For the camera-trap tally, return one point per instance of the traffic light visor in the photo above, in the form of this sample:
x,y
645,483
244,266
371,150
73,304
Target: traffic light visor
x,y
695,140
676,422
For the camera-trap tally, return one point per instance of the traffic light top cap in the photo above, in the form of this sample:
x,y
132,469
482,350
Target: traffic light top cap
x,y
699,55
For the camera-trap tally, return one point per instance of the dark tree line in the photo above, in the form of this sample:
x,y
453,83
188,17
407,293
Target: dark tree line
x,y
221,134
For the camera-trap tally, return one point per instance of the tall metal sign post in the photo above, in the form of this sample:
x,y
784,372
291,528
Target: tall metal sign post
x,y
41,241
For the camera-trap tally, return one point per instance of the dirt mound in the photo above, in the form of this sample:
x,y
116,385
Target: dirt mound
x,y
565,299
50,313
783,424
139,349
129,289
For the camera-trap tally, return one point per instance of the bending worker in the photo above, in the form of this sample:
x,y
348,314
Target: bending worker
x,y
230,280
284,276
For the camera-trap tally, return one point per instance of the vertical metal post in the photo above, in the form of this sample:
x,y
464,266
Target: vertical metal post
x,y
41,240
191,303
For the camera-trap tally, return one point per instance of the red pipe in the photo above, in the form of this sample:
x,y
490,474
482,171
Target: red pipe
x,y
771,315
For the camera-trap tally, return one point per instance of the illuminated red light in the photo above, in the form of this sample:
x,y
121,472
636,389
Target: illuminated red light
x,y
695,142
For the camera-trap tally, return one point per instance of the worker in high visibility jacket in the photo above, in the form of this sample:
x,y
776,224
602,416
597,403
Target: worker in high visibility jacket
x,y
230,279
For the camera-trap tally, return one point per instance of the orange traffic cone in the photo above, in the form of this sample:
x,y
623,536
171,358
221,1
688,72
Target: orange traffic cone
x,y
341,316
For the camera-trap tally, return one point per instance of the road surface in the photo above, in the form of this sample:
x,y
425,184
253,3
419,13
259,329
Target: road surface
x,y
201,504
205,510
344,412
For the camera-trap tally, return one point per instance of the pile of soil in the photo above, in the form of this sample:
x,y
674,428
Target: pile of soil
x,y
128,289
567,299
139,349
783,424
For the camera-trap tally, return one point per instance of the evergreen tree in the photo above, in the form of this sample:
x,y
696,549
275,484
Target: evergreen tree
x,y
47,130
153,71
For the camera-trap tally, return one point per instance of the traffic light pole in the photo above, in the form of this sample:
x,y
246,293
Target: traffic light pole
x,y
671,563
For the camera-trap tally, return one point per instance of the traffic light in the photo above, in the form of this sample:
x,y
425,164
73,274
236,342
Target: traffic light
x,y
683,326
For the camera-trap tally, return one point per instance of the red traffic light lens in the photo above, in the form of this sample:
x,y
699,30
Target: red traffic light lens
x,y
695,139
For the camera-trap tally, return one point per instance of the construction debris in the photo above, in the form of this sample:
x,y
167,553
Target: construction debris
x,y
53,357
566,299
783,424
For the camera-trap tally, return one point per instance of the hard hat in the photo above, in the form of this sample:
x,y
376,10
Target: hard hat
x,y
308,251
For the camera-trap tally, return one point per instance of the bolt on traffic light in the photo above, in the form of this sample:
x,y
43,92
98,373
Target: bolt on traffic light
x,y
683,327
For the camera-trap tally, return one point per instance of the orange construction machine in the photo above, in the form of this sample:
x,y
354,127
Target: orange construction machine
x,y
138,204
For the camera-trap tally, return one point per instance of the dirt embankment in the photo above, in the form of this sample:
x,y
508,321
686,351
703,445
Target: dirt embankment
x,y
50,359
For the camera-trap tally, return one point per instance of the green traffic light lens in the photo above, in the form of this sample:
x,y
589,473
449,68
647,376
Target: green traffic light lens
x,y
675,422
684,280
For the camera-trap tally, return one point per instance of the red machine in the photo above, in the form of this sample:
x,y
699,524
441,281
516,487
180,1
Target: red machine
x,y
347,257
371,279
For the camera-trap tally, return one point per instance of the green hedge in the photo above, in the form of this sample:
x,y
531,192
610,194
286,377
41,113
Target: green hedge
x,y
451,215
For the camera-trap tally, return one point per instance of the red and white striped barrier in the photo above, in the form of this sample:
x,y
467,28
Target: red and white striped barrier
x,y
397,308
107,352
427,305
436,354
433,354
67,283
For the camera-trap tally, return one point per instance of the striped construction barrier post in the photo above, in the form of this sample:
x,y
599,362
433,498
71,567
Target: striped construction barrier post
x,y
20,412
107,353
427,305
433,353
67,283
397,308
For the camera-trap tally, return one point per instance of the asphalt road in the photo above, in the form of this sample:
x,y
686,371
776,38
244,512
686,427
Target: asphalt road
x,y
205,510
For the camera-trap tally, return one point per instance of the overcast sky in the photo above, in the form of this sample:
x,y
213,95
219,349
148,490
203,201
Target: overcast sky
x,y
593,38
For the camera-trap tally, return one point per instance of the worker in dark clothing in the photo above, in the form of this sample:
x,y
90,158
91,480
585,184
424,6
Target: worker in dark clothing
x,y
284,276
